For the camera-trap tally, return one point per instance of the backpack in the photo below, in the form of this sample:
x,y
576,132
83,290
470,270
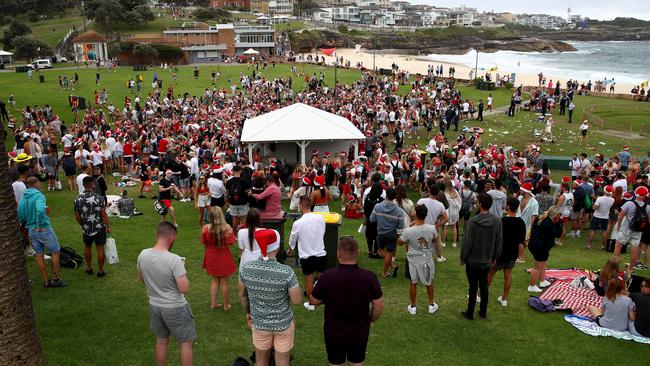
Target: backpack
x,y
466,202
236,192
69,258
640,220
540,305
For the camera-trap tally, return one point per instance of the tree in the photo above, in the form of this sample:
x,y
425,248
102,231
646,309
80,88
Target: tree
x,y
145,51
133,18
104,12
16,28
145,12
28,47
9,7
19,342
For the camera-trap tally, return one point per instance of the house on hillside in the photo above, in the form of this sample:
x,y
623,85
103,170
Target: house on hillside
x,y
238,4
90,46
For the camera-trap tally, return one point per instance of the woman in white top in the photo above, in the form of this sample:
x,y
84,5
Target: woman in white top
x,y
453,212
406,205
248,248
565,202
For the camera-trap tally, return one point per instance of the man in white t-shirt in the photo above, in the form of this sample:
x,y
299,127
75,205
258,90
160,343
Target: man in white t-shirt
x,y
489,102
86,172
574,164
436,214
620,181
600,219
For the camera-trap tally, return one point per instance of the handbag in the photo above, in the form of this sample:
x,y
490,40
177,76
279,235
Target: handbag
x,y
111,251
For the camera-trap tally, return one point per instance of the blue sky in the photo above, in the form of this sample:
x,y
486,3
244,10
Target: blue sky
x,y
595,9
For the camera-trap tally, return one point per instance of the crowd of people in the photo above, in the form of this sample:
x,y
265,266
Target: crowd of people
x,y
494,201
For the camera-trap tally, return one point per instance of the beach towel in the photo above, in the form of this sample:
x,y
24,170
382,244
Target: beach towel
x,y
587,326
565,274
574,299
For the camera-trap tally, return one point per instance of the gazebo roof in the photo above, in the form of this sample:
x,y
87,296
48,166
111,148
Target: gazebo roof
x,y
89,36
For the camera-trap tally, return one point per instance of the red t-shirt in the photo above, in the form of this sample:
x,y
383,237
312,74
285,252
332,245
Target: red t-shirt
x,y
162,146
128,149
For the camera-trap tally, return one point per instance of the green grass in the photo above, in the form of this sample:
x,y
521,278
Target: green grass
x,y
51,31
105,321
292,26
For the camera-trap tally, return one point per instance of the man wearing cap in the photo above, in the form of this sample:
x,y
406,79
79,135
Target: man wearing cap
x,y
237,189
600,219
307,233
627,233
32,214
353,301
528,211
268,290
624,158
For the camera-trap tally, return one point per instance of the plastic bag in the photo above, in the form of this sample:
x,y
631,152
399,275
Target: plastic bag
x,y
111,251
362,229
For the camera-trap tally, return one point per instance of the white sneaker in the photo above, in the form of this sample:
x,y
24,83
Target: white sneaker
x,y
478,298
309,306
444,245
46,257
433,308
544,283
571,234
502,301
454,245
441,259
534,289
411,309
577,234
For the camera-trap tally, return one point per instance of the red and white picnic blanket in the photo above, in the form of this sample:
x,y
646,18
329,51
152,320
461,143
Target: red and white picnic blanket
x,y
565,274
574,299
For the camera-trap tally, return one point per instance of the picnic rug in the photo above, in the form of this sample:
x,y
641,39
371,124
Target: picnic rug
x,y
574,299
587,326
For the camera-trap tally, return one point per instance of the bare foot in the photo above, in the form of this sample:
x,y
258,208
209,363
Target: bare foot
x,y
227,307
214,306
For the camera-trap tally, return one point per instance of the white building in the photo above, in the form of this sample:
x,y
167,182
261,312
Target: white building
x,y
540,20
462,16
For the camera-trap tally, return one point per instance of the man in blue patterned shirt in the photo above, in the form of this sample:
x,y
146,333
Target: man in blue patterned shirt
x,y
90,212
269,289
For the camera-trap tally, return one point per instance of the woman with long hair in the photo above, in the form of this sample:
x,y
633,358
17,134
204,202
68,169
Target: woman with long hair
x,y
405,203
611,269
453,212
321,196
373,198
217,237
201,198
617,310
545,229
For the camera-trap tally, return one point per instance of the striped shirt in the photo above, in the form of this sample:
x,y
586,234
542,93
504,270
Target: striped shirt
x,y
268,284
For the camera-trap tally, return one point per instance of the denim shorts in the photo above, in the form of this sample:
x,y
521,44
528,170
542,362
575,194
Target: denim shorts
x,y
44,239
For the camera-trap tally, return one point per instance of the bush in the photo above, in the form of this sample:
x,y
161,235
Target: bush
x,y
33,16
167,52
342,28
127,46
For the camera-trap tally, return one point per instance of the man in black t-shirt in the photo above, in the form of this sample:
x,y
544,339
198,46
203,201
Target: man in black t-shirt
x,y
348,292
514,234
165,190
641,325
238,189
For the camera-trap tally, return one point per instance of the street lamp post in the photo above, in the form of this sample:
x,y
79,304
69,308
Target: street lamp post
x,y
476,67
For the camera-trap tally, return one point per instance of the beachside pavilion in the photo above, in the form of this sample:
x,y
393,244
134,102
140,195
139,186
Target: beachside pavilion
x,y
90,46
289,132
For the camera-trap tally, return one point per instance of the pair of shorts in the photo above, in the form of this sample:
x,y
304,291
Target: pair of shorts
x,y
628,236
44,239
178,322
128,159
339,350
119,154
282,341
504,265
167,203
539,254
98,239
202,201
387,241
421,271
238,210
185,183
217,201
575,214
598,224
313,264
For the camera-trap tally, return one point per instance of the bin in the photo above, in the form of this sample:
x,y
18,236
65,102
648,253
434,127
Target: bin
x,y
278,224
82,102
331,239
41,78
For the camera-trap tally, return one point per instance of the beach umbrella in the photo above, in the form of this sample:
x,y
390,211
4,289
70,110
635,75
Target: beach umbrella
x,y
328,51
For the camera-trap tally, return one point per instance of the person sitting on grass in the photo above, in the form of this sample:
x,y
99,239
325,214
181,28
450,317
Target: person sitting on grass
x,y
617,309
125,205
514,234
421,241
641,324
611,269
353,209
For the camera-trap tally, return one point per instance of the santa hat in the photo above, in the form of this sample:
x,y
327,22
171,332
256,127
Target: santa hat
x,y
609,190
351,198
315,152
268,241
526,187
600,179
319,181
343,153
641,191
566,179
577,182
628,196
516,169
625,148
327,154
493,176
306,181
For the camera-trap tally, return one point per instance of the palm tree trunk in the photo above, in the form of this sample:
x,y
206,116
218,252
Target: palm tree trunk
x,y
19,342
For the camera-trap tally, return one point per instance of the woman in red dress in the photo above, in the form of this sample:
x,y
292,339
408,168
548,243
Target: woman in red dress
x,y
217,237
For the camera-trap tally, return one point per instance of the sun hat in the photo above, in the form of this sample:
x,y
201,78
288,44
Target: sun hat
x,y
22,157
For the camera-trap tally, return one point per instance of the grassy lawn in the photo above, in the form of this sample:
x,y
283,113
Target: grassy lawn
x,y
292,25
105,320
51,31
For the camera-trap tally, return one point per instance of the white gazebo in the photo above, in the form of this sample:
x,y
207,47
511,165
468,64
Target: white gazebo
x,y
251,51
288,131
6,57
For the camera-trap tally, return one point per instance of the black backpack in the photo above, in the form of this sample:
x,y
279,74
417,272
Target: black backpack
x,y
640,220
68,258
466,202
237,192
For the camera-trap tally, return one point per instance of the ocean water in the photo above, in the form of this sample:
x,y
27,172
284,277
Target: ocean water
x,y
626,62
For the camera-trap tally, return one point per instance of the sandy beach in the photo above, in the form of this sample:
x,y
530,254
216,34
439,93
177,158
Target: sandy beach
x,y
419,64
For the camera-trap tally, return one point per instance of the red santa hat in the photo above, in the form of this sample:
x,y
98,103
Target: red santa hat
x,y
306,181
319,181
625,148
628,196
566,179
268,241
326,154
516,169
641,191
526,187
609,189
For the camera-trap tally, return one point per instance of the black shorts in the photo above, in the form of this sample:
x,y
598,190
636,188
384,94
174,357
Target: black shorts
x,y
98,239
504,265
387,241
539,254
645,237
128,159
340,350
310,265
218,202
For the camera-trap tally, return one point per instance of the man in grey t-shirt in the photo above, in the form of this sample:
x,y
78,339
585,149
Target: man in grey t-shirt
x,y
421,240
165,278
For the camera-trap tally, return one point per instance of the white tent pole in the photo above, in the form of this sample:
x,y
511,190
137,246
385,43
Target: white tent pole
x,y
250,152
356,150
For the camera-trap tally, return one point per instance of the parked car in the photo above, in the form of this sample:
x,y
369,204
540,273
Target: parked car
x,y
41,64
59,59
